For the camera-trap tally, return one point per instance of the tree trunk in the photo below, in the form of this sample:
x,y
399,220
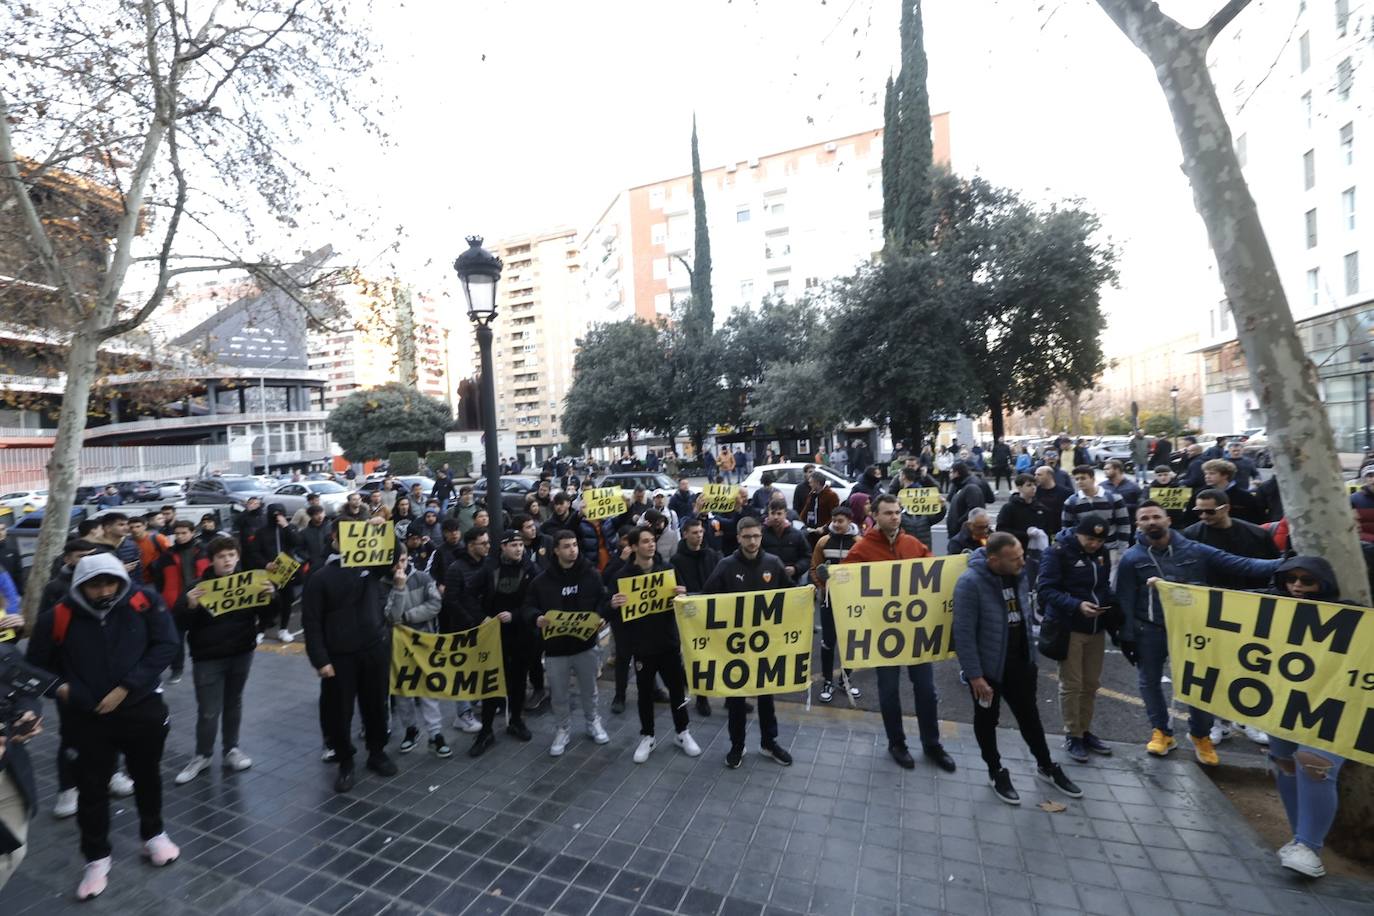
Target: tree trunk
x,y
1075,413
630,439
63,465
999,427
1281,374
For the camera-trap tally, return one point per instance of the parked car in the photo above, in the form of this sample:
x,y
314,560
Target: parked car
x,y
25,531
402,483
292,496
1109,447
171,489
787,476
1257,446
628,480
514,489
233,491
135,491
24,501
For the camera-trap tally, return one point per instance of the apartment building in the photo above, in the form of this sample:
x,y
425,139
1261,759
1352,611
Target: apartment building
x,y
780,224
1300,101
540,313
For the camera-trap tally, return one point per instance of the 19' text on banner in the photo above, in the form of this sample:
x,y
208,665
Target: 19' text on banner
x,y
651,593
1302,670
747,643
898,612
366,544
448,666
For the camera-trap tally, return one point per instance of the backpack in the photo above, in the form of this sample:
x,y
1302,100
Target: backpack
x,y
62,615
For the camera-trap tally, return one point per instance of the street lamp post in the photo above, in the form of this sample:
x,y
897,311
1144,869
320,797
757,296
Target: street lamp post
x,y
479,270
1173,393
1365,360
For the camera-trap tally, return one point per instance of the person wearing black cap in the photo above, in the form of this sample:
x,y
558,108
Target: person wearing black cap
x,y
500,593
1075,586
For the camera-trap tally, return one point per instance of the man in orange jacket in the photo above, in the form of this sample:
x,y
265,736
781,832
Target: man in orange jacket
x,y
887,541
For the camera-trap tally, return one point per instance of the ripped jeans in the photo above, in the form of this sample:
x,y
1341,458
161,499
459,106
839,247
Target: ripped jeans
x,y
1309,799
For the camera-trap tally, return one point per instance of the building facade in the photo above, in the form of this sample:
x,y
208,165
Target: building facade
x,y
780,224
1300,99
1146,376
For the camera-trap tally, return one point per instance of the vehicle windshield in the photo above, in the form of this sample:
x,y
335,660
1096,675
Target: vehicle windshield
x,y
239,485
326,486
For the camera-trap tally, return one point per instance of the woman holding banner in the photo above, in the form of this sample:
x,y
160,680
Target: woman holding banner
x,y
222,644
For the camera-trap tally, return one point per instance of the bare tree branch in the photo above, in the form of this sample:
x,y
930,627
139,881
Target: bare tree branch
x,y
1223,18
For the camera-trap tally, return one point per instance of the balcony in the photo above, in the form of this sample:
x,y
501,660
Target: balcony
x,y
146,425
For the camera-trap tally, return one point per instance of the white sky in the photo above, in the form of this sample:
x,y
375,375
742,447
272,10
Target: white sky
x,y
522,115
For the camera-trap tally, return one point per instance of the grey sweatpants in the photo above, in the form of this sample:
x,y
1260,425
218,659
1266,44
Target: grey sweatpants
x,y
557,670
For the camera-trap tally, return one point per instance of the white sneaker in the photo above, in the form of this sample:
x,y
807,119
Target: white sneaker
x,y
194,768
597,732
257,640
1255,735
93,879
284,635
66,803
646,747
235,759
560,743
855,692
121,784
468,723
1219,733
1302,860
160,850
688,744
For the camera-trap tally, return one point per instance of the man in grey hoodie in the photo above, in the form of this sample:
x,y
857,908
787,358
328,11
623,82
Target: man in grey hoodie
x,y
414,601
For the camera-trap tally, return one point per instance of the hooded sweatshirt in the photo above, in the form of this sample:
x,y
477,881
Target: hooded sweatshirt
x,y
1017,517
577,588
651,634
694,567
1319,568
127,644
416,605
342,610
270,540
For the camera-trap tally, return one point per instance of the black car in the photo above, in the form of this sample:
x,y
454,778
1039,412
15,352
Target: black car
x,y
234,491
514,489
130,491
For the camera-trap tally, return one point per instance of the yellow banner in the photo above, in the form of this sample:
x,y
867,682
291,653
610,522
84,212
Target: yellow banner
x,y
650,593
365,544
577,624
748,643
720,497
448,666
1354,486
9,634
286,569
898,612
602,502
1301,670
1171,497
235,592
920,500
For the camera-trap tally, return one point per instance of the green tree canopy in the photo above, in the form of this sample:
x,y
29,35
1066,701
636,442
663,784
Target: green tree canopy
x,y
795,394
754,341
695,379
371,424
618,384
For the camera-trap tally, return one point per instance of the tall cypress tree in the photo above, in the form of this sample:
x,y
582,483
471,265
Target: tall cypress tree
x,y
703,309
912,117
892,158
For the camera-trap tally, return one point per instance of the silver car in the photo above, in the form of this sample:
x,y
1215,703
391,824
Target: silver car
x,y
292,496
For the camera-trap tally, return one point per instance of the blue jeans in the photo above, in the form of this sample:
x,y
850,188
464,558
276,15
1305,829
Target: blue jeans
x,y
1310,801
927,704
1152,642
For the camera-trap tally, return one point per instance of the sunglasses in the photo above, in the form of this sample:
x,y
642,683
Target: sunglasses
x,y
1302,580
1210,511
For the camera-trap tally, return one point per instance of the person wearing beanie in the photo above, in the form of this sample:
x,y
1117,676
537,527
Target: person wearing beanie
x,y
500,593
109,641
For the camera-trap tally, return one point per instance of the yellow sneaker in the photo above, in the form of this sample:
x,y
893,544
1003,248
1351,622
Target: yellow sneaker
x,y
1205,752
1161,744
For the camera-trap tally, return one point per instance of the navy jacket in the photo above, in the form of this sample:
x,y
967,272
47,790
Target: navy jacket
x,y
1069,575
980,620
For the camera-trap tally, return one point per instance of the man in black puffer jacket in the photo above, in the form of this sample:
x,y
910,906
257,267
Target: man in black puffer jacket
x,y
501,593
221,656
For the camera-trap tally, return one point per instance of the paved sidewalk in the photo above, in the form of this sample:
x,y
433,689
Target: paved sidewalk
x,y
842,831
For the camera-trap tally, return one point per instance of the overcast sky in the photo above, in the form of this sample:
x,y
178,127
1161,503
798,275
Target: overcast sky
x,y
522,115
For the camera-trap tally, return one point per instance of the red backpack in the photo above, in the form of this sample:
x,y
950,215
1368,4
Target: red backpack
x,y
62,615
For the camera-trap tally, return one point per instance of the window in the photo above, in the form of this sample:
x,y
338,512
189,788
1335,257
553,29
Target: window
x,y
1348,207
1224,310
777,209
742,215
1345,79
656,195
658,233
1241,149
1342,16
660,268
746,290
1310,218
1314,283
780,287
1352,273
1309,170
1304,52
1307,109
1348,143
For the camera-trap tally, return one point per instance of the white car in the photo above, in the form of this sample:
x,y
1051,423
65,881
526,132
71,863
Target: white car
x,y
171,489
292,496
24,500
786,477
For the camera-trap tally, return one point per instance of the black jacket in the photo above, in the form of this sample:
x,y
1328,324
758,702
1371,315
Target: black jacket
x,y
736,573
130,648
648,635
1018,516
682,503
505,587
585,531
269,541
463,579
1242,539
343,610
969,493
577,588
16,759
791,547
229,634
694,567
1053,500
312,545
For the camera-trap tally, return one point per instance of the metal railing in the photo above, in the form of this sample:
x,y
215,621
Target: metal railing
x,y
22,468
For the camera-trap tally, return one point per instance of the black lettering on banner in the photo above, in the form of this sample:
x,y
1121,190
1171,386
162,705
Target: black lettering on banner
x,y
858,647
1236,692
1190,681
703,674
1364,741
1308,625
465,681
1326,718
435,681
767,609
772,671
1215,605
406,678
735,674
1264,617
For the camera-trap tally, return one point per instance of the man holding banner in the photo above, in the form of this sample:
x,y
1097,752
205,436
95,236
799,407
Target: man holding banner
x,y
643,603
501,593
1165,554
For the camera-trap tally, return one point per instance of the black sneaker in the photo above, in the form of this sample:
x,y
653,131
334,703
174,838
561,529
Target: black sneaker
x,y
827,691
734,758
440,747
409,741
519,730
481,744
1076,748
1096,744
381,764
902,756
617,705
1001,785
344,781
703,707
1055,775
772,749
941,758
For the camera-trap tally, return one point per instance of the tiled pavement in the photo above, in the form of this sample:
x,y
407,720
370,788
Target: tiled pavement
x,y
842,831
